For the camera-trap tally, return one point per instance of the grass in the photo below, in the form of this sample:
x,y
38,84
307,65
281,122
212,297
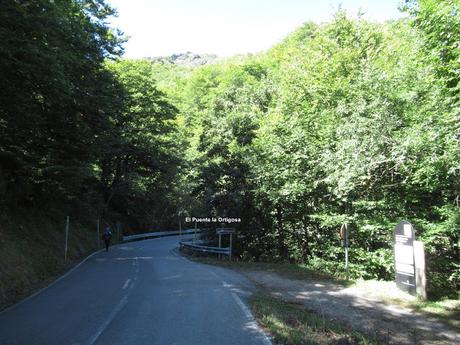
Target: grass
x,y
287,270
292,324
32,252
447,311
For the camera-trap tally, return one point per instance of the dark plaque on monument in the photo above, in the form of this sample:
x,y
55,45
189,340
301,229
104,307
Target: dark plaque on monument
x,y
403,249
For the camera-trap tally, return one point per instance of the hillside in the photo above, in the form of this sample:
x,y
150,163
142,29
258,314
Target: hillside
x,y
187,59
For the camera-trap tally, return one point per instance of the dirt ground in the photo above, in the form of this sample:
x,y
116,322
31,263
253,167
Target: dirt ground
x,y
363,307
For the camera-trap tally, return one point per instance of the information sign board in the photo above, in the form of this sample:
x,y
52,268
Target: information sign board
x,y
403,245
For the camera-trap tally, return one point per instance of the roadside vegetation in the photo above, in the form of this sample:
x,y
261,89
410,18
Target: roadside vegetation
x,y
342,122
446,310
31,259
292,324
287,270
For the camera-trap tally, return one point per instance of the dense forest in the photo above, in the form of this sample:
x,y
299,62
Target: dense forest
x,y
342,122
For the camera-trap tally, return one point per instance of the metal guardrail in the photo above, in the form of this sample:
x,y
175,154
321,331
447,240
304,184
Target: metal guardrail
x,y
158,234
197,246
206,249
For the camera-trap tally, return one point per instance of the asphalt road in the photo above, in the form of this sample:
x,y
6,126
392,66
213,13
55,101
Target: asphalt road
x,y
138,293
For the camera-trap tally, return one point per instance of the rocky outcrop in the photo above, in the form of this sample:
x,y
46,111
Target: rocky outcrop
x,y
187,59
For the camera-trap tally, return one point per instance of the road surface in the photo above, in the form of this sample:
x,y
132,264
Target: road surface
x,y
138,293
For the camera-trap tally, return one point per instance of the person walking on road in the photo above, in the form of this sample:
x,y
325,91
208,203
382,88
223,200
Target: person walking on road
x,y
107,235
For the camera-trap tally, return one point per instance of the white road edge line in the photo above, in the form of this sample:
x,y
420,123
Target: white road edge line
x,y
251,318
107,322
126,284
243,307
177,255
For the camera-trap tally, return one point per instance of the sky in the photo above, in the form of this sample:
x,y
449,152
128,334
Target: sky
x,y
227,27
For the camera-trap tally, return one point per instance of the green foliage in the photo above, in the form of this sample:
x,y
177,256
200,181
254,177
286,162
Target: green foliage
x,y
139,157
345,122
76,130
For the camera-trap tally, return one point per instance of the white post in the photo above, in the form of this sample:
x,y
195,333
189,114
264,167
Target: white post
x,y
231,239
220,245
66,238
420,277
98,241
346,250
194,234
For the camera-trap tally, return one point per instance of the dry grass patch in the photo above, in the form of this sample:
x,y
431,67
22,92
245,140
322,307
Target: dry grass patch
x,y
292,324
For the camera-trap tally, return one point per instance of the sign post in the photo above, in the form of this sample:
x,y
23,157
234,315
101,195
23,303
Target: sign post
x,y
344,237
231,240
226,231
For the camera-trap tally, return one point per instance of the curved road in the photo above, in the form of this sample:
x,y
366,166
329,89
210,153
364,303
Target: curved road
x,y
140,293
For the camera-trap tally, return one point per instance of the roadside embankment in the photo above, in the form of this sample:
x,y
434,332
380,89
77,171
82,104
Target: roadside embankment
x,y
32,252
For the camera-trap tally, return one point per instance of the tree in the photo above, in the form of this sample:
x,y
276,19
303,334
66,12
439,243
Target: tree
x,y
50,111
139,157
